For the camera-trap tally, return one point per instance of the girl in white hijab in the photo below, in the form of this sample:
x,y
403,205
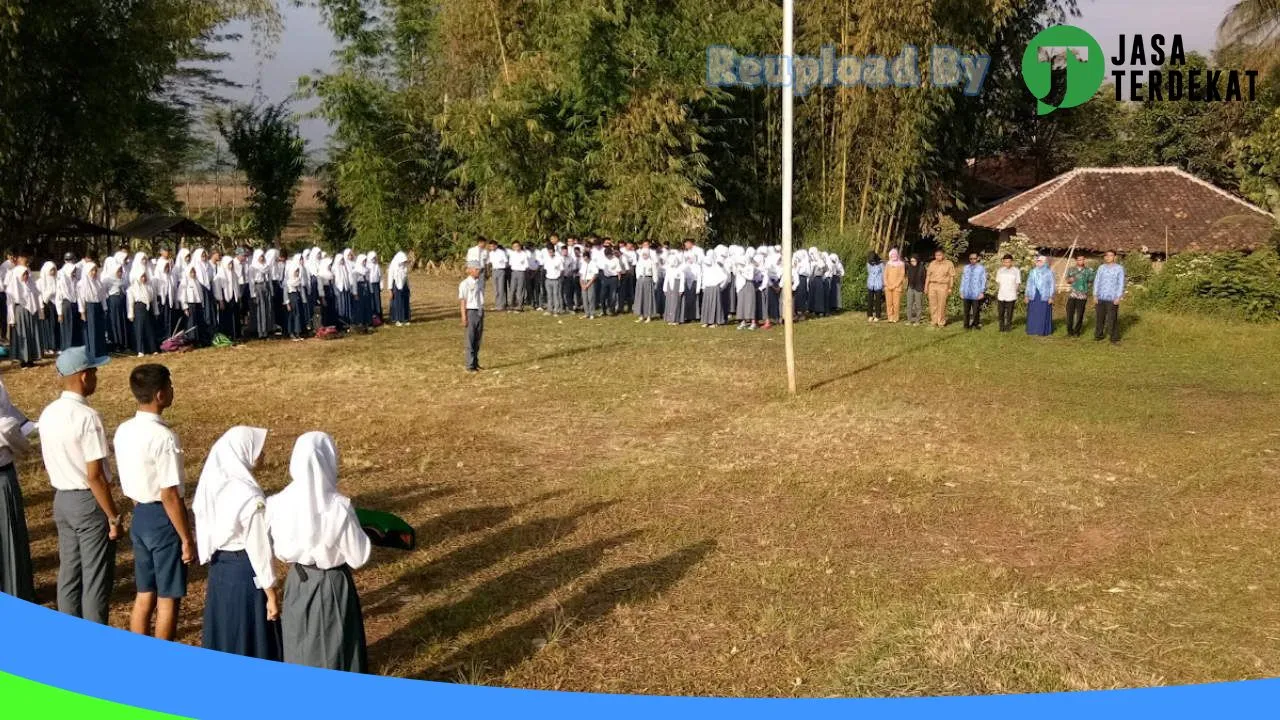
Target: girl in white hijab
x,y
70,328
673,286
296,298
241,604
92,299
711,283
26,313
47,284
315,530
262,295
141,302
117,285
165,293
324,293
361,304
226,292
398,279
375,284
342,289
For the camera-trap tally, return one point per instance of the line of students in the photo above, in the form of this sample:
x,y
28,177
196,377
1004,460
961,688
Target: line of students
x,y
132,304
598,278
237,531
937,280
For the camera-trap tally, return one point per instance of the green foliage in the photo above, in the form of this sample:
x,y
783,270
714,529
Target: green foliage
x,y
950,238
97,99
272,155
1230,284
1259,167
334,224
1138,267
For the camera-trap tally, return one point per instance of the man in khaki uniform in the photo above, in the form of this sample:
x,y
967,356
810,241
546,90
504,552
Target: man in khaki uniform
x,y
938,281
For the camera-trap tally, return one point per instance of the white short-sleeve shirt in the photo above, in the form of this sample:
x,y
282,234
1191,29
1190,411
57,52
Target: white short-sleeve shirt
x,y
149,457
1008,280
472,290
71,437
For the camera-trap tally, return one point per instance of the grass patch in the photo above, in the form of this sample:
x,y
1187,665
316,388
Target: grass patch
x,y
638,508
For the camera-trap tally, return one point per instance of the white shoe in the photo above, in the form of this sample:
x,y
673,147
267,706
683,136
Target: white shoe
x,y
141,355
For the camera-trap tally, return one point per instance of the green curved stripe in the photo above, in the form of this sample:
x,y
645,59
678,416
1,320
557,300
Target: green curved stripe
x,y
27,699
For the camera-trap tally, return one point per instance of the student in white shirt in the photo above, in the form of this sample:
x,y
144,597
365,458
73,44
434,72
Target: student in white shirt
x,y
149,457
646,285
316,531
478,253
141,302
471,304
711,281
1008,280
73,444
568,280
673,289
241,604
610,281
398,280
15,545
589,281
518,293
191,300
553,267
500,265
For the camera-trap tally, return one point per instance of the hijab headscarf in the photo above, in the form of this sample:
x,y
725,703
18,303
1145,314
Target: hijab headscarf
x,y
48,283
90,288
27,295
311,523
68,283
227,494
201,267
398,271
895,258
1040,280
138,267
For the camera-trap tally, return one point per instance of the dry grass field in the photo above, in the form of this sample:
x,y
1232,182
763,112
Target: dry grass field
x,y
625,508
199,199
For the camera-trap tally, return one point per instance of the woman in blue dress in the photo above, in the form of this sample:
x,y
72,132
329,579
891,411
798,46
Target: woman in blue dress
x,y
1040,289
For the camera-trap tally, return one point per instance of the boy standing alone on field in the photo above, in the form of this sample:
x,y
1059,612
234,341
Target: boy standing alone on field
x,y
151,474
471,305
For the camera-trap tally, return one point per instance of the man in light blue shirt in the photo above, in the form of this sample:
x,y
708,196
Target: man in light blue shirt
x,y
973,290
1108,291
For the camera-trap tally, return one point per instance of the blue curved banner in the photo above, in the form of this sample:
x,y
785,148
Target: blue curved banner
x,y
59,651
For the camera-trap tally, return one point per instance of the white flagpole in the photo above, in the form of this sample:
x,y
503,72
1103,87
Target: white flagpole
x,y
788,113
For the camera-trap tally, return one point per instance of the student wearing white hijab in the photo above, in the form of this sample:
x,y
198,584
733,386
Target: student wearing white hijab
x,y
242,607
817,292
117,284
15,548
70,326
296,298
398,279
375,284
226,292
745,275
325,294
47,285
645,292
261,295
672,289
25,315
361,300
711,284
342,288
141,302
315,530
92,299
191,300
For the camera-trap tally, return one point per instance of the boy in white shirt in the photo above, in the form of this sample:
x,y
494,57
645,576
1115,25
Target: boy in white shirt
x,y
471,304
74,445
151,475
1008,279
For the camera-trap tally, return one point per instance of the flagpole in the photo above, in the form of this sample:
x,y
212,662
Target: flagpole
x,y
788,114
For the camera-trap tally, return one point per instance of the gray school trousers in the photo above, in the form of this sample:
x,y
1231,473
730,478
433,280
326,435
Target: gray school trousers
x,y
915,305
555,298
86,558
475,332
501,281
518,294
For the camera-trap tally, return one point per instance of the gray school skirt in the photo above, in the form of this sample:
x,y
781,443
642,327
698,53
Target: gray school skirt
x,y
321,620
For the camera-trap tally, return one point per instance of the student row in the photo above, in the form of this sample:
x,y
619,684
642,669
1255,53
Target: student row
x,y
237,532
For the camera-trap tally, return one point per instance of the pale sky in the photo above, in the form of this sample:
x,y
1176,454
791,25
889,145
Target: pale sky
x,y
307,45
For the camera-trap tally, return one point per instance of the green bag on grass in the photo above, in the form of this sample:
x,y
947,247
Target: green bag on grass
x,y
222,341
387,530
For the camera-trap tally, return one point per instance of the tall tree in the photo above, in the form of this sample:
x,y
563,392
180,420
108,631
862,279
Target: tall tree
x,y
1251,29
272,155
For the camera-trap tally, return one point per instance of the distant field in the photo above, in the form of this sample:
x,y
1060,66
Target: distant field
x,y
202,198
639,508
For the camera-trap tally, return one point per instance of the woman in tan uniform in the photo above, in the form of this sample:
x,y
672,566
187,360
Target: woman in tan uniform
x,y
895,281
938,282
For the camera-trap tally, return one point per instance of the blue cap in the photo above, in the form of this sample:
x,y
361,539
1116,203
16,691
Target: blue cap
x,y
76,360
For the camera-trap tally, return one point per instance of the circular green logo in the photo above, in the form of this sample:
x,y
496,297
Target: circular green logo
x,y
1084,75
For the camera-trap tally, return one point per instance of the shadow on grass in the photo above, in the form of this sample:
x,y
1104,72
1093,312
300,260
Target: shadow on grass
x,y
497,598
402,501
460,564
570,352
499,653
951,335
